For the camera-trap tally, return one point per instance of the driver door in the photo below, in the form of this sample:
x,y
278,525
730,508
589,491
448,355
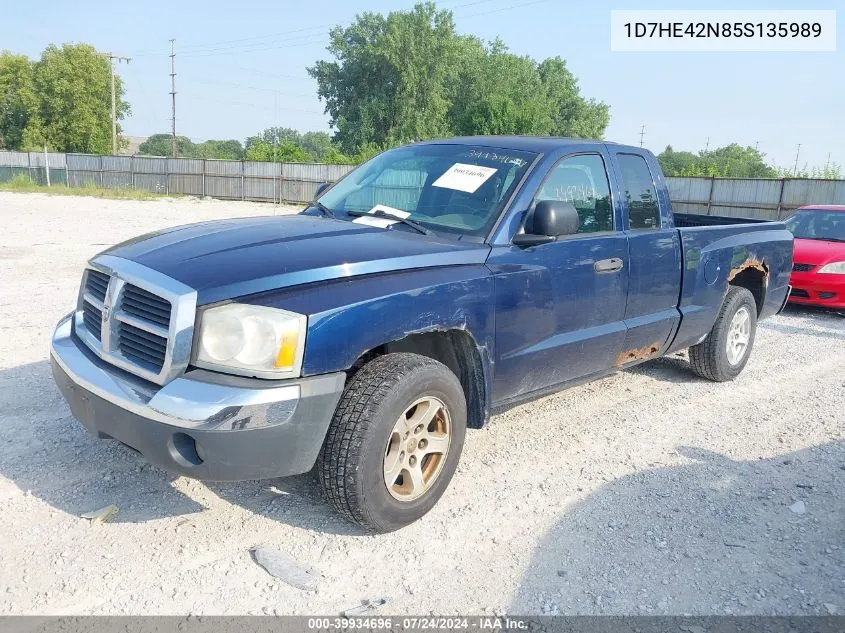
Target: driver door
x,y
560,307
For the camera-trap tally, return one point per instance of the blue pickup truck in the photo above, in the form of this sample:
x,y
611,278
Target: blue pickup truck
x,y
432,286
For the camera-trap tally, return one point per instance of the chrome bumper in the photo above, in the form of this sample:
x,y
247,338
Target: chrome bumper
x,y
201,424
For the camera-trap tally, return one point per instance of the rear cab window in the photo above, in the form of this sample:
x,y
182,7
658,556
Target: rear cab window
x,y
640,192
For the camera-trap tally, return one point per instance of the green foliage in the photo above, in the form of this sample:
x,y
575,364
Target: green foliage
x,y
409,76
162,145
285,151
18,102
831,171
63,100
230,149
731,161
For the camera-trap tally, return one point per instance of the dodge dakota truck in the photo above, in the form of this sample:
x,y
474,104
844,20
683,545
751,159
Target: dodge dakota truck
x,y
432,286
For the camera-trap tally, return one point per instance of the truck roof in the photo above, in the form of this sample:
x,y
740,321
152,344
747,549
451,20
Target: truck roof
x,y
524,143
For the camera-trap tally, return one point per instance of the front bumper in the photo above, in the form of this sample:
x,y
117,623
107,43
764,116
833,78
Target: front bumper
x,y
202,424
816,289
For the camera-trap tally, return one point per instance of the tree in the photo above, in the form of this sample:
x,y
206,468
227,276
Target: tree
x,y
730,161
73,84
18,101
230,149
678,163
388,84
162,145
285,152
572,115
409,75
496,92
318,145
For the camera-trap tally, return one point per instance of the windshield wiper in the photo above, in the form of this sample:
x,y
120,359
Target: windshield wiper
x,y
379,213
822,239
322,208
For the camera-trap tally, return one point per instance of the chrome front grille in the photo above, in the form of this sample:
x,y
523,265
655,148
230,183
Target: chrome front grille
x,y
136,318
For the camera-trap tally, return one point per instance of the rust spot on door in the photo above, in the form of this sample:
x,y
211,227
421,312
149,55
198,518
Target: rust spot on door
x,y
640,353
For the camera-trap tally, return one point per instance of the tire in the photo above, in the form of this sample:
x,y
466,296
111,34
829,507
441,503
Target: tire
x,y
363,440
711,358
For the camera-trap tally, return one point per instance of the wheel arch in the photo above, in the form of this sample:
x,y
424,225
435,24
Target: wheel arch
x,y
754,279
459,351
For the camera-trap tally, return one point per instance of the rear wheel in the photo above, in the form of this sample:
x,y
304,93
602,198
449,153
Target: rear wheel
x,y
394,442
723,354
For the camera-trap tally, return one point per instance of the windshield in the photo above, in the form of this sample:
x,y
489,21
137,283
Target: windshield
x,y
818,224
451,188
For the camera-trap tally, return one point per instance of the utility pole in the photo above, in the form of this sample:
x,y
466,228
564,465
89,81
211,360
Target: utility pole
x,y
642,134
707,145
827,163
795,168
111,59
173,91
756,146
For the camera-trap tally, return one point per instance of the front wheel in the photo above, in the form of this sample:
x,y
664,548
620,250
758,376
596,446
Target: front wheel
x,y
394,442
723,354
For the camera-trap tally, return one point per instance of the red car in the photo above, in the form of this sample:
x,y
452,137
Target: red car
x,y
818,272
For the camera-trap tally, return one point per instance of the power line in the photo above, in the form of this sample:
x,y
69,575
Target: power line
x,y
306,37
508,8
219,82
173,91
257,40
216,99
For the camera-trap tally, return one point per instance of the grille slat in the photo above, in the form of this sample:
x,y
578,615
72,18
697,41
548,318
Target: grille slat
x,y
97,283
144,305
802,268
92,318
152,342
798,292
138,345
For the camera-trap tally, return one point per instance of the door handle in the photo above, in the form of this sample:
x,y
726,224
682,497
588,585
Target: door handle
x,y
608,265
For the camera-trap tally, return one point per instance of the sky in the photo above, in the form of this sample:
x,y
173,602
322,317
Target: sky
x,y
241,68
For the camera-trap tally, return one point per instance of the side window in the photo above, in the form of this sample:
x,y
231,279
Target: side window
x,y
582,180
643,210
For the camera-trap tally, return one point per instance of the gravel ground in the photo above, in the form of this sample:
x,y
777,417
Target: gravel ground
x,y
648,492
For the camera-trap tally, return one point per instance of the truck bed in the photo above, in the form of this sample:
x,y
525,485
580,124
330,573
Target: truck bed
x,y
693,219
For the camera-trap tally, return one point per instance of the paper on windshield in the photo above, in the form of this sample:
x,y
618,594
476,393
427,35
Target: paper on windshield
x,y
381,223
463,177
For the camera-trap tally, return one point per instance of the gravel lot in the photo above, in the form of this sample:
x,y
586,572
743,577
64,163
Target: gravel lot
x,y
648,492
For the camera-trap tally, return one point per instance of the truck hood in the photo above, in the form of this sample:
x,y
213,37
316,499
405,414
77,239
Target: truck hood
x,y
233,258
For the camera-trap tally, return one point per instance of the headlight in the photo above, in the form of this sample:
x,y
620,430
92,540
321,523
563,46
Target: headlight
x,y
833,268
251,341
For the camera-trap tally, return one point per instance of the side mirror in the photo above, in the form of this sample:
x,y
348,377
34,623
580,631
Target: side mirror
x,y
320,189
550,219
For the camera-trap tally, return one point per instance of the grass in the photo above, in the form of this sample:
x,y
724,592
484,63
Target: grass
x,y
22,184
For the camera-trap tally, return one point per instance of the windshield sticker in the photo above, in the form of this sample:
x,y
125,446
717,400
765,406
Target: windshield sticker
x,y
495,157
462,177
381,223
